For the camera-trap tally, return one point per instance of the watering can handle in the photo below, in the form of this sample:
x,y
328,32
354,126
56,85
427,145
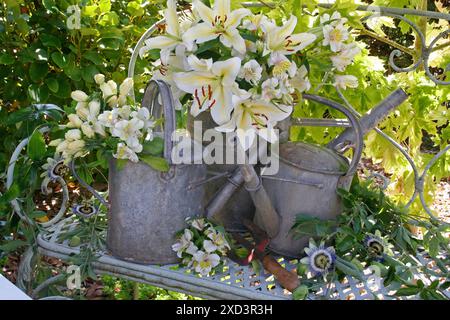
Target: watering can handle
x,y
354,122
160,89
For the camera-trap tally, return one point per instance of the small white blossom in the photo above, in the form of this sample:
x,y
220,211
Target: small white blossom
x,y
345,81
334,36
205,262
79,96
251,71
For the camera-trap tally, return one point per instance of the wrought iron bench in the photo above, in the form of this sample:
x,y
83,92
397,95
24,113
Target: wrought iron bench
x,y
236,282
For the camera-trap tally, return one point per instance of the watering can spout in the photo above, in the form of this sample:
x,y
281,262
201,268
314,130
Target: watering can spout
x,y
371,119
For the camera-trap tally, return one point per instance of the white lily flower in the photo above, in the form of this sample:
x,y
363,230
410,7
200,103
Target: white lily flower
x,y
334,36
279,39
79,96
209,246
251,72
333,20
217,22
173,36
205,262
123,152
252,117
345,81
345,57
199,64
301,82
211,90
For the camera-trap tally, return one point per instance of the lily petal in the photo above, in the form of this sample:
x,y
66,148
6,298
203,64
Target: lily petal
x,y
223,106
205,13
200,33
171,16
233,39
235,17
222,8
228,70
189,81
161,42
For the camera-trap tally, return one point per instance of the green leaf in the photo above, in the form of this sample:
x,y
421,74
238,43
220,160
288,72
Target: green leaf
x,y
38,71
157,163
52,84
49,40
36,146
154,147
59,59
434,247
135,9
6,59
409,291
12,245
300,293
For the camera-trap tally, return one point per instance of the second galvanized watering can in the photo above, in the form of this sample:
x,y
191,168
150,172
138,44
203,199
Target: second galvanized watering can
x,y
309,176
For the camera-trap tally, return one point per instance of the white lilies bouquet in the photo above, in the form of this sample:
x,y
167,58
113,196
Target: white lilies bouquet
x,y
244,69
202,246
107,120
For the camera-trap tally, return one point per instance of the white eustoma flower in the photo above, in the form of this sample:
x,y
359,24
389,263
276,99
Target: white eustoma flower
x,y
270,89
211,90
252,117
279,39
301,82
185,240
173,36
124,91
99,78
345,81
217,22
74,121
72,135
123,152
345,57
209,246
109,118
79,96
109,91
334,36
333,20
251,72
205,262
129,131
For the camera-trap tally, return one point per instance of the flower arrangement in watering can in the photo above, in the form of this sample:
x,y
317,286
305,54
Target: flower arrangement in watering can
x,y
241,71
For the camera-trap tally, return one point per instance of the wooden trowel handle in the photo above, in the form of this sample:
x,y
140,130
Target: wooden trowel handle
x,y
287,279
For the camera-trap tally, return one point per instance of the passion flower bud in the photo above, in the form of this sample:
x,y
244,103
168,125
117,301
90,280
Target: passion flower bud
x,y
79,96
55,143
99,78
62,146
82,110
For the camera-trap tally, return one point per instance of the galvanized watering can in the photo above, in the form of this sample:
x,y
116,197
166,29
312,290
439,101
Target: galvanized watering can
x,y
147,207
308,176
